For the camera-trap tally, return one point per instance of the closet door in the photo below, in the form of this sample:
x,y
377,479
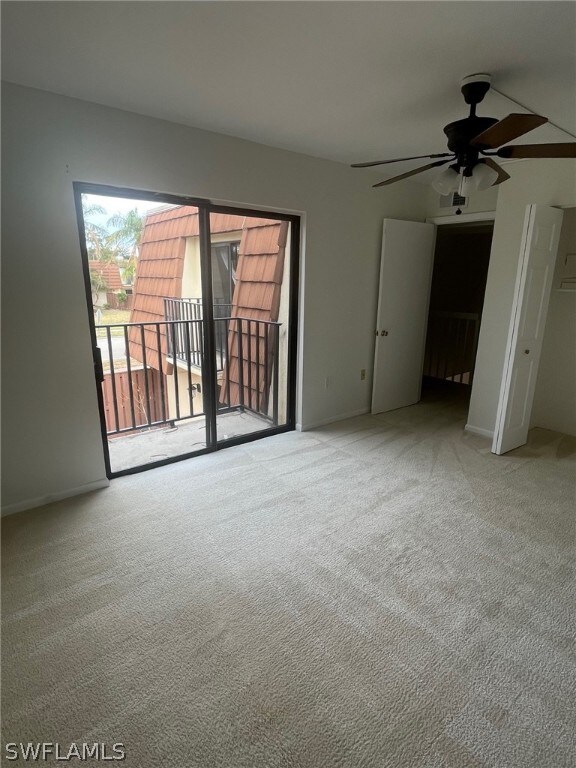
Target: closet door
x,y
533,283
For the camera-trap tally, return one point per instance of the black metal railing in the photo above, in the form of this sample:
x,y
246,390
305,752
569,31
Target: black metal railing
x,y
451,345
250,374
191,309
153,371
141,389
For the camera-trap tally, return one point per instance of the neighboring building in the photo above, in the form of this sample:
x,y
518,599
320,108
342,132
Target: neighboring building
x,y
248,270
111,281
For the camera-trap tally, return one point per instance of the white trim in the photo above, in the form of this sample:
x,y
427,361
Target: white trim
x,y
332,419
39,501
453,219
489,433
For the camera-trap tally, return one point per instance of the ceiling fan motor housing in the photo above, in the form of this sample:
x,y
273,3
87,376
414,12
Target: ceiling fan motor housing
x,y
461,132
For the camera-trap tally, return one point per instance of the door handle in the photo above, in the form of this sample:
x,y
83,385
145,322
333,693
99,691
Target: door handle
x,y
98,367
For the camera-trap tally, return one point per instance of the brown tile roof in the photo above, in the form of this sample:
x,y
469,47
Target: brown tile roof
x,y
256,297
159,274
182,221
110,273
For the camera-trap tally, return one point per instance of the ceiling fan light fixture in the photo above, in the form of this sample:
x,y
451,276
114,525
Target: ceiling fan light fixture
x,y
468,185
483,177
473,136
447,181
480,177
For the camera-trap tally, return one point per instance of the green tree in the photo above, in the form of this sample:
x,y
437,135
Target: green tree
x,y
117,241
98,285
98,243
127,233
129,271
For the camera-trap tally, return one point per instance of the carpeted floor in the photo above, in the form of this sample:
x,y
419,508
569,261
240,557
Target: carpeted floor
x,y
380,592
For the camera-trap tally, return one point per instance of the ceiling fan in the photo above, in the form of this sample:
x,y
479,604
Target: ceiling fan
x,y
471,142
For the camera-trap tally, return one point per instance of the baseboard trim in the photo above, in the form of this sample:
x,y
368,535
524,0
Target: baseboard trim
x,y
480,431
332,419
39,501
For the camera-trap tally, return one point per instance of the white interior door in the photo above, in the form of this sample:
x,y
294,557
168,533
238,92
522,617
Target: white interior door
x,y
404,296
532,293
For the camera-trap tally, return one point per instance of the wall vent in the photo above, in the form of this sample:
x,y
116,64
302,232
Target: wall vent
x,y
458,199
453,200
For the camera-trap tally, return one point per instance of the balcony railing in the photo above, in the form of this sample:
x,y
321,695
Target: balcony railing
x,y
152,372
191,309
451,344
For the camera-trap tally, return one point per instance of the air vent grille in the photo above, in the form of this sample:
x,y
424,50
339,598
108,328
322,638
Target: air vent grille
x,y
458,199
453,200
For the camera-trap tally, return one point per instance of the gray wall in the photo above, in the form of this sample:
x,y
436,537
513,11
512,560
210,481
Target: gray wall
x,y
51,436
555,395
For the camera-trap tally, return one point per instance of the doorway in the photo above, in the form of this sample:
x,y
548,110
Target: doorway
x,y
192,310
461,260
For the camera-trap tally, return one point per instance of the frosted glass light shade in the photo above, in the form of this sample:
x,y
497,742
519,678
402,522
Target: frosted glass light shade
x,y
467,186
484,176
447,181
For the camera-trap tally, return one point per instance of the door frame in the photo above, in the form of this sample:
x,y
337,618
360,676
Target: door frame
x,y
205,208
462,218
480,217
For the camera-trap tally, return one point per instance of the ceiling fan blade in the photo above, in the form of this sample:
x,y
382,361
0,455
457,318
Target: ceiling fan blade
x,y
539,150
411,173
502,175
508,129
400,159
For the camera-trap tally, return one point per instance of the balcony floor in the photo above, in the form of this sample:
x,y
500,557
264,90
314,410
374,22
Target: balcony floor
x,y
146,446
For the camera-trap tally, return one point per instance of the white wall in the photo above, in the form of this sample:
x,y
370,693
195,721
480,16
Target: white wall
x,y
51,433
555,394
548,182
479,202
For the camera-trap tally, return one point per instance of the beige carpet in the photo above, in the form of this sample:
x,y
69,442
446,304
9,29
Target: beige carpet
x,y
380,592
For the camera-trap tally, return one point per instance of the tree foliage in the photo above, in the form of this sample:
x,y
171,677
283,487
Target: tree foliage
x,y
127,231
117,240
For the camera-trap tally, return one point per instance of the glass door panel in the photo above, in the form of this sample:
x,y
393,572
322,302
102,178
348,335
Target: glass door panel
x,y
251,270
144,266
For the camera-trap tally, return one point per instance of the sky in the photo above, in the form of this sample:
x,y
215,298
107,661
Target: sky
x,y
118,205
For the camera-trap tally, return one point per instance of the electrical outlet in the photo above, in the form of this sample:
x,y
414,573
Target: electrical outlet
x,y
362,374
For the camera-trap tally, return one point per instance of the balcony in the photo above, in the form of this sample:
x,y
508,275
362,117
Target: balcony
x,y
153,381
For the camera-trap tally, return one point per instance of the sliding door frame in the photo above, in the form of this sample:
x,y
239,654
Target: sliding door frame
x,y
209,375
294,282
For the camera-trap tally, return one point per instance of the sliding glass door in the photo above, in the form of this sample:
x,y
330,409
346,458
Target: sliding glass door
x,y
192,312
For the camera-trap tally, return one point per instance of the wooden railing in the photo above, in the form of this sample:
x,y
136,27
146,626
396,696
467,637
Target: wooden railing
x,y
451,345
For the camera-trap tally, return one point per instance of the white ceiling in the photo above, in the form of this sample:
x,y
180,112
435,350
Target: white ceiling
x,y
348,81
